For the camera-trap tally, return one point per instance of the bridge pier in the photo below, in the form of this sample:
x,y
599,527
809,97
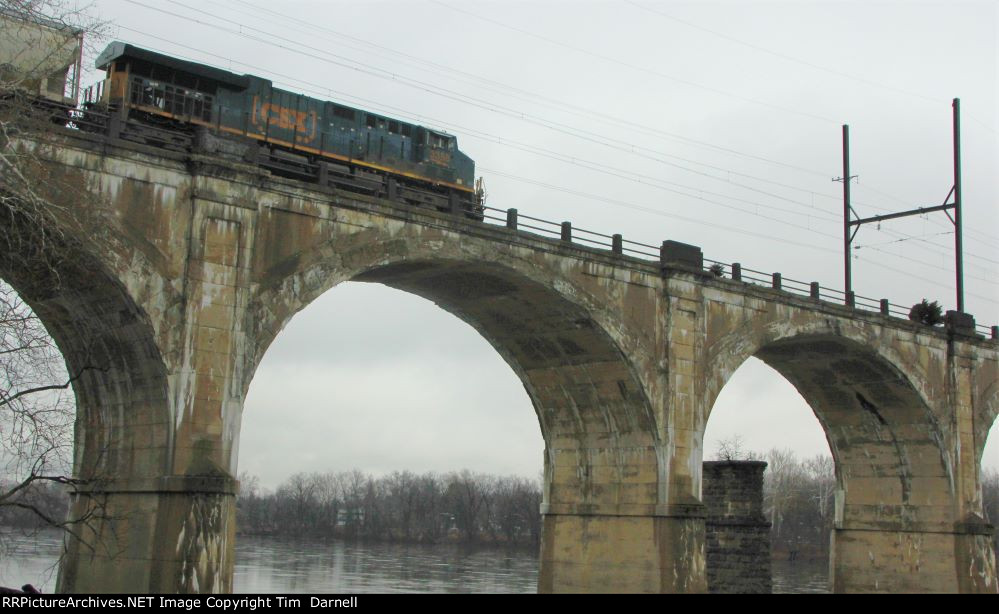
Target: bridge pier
x,y
172,535
908,561
588,553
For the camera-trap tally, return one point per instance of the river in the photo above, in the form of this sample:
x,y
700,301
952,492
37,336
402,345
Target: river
x,y
281,565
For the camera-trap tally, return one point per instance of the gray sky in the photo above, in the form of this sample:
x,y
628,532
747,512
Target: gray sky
x,y
713,123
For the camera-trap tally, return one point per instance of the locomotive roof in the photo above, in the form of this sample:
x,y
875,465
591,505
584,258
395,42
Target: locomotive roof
x,y
119,49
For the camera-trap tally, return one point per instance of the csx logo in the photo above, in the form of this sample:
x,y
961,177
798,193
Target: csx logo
x,y
305,124
440,157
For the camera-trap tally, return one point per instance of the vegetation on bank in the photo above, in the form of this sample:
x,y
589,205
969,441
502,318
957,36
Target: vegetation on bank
x,y
468,507
799,502
402,506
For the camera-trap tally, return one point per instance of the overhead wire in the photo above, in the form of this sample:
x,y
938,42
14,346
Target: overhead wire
x,y
626,146
555,127
636,67
562,128
596,167
869,82
622,173
609,142
874,83
499,139
658,212
643,128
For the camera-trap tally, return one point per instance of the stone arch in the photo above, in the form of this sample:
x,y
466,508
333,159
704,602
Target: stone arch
x,y
895,476
123,433
880,425
732,350
587,393
107,340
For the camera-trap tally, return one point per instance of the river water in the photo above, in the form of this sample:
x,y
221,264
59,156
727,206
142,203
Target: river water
x,y
280,565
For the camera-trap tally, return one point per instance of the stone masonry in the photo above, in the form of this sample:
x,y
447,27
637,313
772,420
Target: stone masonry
x,y
177,271
737,533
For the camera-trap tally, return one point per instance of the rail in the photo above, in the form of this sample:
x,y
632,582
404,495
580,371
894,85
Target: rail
x,y
90,120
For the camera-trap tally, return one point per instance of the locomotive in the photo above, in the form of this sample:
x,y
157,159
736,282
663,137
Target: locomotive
x,y
165,101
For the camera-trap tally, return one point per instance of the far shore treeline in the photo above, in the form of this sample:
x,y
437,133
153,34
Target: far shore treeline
x,y
467,507
401,506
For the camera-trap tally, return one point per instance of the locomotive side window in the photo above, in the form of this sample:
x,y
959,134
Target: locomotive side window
x,y
344,112
393,127
174,100
406,130
440,141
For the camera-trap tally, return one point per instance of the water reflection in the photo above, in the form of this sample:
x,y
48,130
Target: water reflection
x,y
800,576
30,558
280,565
273,565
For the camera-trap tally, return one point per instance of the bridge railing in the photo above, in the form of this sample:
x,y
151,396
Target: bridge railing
x,y
514,220
92,120
810,289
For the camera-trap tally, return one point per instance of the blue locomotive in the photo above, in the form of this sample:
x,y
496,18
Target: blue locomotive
x,y
295,135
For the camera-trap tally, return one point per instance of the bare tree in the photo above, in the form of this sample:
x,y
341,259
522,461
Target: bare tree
x,y
37,416
733,449
40,63
328,501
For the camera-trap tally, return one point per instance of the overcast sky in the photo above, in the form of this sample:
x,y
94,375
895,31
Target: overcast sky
x,y
712,123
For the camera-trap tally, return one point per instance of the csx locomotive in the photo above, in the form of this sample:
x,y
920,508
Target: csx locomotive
x,y
155,97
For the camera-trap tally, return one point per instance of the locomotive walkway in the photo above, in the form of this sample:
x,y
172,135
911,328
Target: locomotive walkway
x,y
175,272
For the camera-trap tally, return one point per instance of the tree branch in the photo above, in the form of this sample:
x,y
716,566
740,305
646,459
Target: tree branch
x,y
38,389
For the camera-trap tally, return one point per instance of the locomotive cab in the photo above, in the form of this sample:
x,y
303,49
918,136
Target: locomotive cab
x,y
160,85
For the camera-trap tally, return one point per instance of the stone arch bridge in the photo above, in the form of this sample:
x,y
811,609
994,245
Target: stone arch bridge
x,y
170,274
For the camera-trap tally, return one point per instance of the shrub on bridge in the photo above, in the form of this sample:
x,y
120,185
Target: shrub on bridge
x,y
927,313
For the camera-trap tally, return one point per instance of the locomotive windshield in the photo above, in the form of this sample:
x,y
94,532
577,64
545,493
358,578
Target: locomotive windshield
x,y
441,141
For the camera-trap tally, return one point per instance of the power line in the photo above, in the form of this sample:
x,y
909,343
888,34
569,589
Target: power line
x,y
602,139
610,142
625,174
790,58
555,126
659,212
578,110
787,57
635,67
652,210
562,128
902,240
556,155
